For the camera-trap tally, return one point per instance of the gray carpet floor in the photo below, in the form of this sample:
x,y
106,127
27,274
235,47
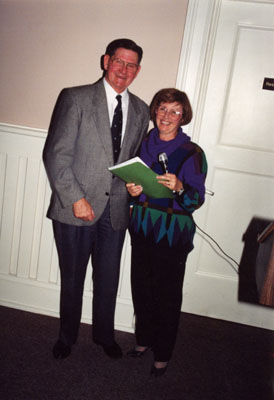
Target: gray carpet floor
x,y
213,360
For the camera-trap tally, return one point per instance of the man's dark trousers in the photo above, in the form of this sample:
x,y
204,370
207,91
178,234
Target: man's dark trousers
x,y
75,246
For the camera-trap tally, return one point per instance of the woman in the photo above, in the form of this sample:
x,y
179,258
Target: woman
x,y
162,229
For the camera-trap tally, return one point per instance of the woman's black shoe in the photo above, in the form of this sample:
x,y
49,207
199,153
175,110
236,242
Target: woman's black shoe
x,y
156,372
134,353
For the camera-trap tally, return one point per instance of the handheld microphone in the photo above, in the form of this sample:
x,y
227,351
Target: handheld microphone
x,y
163,159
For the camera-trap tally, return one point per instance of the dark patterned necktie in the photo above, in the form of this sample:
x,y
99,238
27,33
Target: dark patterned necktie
x,y
116,128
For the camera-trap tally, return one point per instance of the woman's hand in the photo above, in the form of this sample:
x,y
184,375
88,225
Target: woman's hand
x,y
170,181
134,190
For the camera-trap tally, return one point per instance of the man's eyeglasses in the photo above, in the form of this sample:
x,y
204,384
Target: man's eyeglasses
x,y
173,114
118,63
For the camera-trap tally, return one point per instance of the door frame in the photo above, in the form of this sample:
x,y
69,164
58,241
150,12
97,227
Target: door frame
x,y
196,55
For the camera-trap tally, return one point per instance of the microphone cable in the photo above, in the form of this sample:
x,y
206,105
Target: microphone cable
x,y
219,247
163,159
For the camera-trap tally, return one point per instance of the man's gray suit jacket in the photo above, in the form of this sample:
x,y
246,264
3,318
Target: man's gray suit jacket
x,y
78,152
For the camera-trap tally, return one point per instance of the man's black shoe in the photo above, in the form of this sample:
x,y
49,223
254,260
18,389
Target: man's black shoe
x,y
112,351
61,350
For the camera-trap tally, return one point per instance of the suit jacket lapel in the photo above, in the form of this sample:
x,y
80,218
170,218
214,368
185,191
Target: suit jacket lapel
x,y
101,118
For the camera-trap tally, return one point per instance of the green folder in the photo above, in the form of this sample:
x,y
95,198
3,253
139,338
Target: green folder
x,y
136,171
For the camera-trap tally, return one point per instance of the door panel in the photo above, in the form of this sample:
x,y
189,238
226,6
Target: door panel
x,y
249,118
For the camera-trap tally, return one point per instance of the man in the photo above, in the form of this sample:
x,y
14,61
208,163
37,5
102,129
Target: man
x,y
89,207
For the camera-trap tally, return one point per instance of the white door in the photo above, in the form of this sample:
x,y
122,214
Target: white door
x,y
227,53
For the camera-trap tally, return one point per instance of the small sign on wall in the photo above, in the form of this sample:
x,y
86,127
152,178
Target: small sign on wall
x,y
268,84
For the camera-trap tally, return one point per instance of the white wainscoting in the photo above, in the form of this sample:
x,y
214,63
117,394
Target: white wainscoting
x,y
29,273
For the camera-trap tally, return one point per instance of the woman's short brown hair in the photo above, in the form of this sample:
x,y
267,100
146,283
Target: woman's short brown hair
x,y
171,95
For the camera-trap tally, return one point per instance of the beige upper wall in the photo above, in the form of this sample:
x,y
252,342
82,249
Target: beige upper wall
x,y
46,45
